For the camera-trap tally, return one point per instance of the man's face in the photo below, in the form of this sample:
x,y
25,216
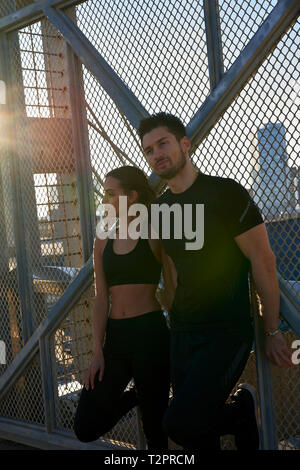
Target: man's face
x,y
165,154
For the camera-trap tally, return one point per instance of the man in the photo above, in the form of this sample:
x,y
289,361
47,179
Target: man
x,y
211,329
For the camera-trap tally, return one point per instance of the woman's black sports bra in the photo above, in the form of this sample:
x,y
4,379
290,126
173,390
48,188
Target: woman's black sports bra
x,y
139,266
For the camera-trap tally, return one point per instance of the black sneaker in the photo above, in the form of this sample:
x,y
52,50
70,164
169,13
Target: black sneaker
x,y
246,428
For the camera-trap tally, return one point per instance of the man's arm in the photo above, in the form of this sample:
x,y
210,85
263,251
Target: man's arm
x,y
254,244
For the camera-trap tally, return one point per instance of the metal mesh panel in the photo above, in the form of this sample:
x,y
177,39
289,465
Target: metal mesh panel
x,y
71,347
11,324
125,433
24,399
157,48
113,141
71,352
239,21
11,331
44,147
256,143
9,6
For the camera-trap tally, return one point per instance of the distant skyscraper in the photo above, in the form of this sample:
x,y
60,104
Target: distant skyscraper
x,y
272,178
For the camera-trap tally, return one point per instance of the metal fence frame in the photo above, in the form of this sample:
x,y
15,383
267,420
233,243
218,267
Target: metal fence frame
x,y
224,88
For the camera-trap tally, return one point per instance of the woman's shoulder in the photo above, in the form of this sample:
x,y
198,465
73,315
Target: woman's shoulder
x,y
102,237
99,245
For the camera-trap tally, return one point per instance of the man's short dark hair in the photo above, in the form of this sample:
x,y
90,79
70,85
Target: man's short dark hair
x,y
172,123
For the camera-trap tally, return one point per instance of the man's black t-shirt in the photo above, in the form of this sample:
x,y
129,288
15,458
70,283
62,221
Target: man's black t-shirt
x,y
212,282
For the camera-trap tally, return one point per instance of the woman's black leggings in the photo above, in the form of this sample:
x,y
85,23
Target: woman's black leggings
x,y
137,348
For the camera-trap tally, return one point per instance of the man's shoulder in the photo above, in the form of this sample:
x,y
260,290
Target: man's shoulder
x,y
225,184
219,180
218,184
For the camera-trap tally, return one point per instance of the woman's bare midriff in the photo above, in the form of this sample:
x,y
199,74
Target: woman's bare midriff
x,y
131,300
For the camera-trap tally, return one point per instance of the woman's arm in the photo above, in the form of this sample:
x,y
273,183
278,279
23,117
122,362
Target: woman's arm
x,y
101,304
100,314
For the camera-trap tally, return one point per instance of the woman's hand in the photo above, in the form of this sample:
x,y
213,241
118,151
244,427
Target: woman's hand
x,y
97,365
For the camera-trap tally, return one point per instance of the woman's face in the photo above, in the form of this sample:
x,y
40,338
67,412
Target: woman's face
x,y
112,191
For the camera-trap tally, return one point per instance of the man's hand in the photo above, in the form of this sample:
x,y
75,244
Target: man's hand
x,y
97,365
278,351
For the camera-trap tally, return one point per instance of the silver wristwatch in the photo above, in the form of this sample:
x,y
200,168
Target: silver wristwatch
x,y
272,333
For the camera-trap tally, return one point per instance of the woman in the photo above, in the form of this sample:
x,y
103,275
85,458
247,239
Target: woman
x,y
137,338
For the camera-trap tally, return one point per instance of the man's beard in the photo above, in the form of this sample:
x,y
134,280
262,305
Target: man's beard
x,y
170,173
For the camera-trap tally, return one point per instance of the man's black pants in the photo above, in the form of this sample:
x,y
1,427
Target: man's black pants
x,y
205,367
137,348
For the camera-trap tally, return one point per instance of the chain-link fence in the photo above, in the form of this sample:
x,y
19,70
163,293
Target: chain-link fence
x,y
55,102
45,163
239,21
25,400
10,6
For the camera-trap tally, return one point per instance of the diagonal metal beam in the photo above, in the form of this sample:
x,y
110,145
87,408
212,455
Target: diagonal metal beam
x,y
35,435
123,97
258,48
213,41
34,12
